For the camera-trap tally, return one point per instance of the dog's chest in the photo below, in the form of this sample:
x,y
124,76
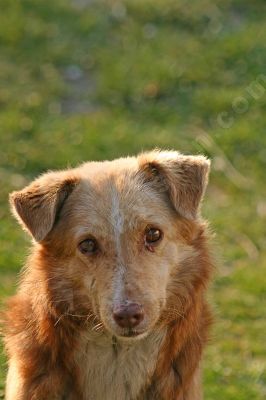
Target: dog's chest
x,y
119,370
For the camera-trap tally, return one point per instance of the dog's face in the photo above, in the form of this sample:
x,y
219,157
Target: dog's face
x,y
113,234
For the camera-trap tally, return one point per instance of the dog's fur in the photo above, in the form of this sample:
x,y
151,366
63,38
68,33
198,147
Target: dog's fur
x,y
61,338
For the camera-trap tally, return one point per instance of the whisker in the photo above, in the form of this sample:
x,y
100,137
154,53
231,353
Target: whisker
x,y
59,319
97,327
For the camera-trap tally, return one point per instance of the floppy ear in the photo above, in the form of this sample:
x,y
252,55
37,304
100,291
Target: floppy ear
x,y
184,178
37,205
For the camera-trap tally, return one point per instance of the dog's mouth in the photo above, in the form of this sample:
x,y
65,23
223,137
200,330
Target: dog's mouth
x,y
126,333
131,333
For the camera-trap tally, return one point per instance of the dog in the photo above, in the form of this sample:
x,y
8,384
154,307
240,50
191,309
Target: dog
x,y
111,303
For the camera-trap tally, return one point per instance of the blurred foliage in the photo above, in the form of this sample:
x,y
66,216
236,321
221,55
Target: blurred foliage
x,y
86,79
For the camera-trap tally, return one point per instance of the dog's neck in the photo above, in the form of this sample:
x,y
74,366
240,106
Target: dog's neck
x,y
117,369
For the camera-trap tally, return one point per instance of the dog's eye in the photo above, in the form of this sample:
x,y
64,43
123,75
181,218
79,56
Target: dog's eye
x,y
88,246
152,237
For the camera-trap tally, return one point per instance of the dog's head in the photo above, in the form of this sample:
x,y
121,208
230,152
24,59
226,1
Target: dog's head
x,y
117,236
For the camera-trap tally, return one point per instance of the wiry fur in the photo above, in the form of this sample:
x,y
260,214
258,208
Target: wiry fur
x,y
61,339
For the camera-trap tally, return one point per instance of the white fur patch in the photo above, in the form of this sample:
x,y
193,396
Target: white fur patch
x,y
117,221
118,286
14,381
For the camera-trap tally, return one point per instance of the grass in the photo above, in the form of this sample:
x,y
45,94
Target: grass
x,y
86,79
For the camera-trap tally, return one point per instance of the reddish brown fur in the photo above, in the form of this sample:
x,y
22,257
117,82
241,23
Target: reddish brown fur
x,y
47,319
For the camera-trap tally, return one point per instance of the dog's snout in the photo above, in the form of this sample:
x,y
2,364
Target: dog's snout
x,y
128,316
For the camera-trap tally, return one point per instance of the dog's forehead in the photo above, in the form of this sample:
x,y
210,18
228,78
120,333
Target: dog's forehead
x,y
114,184
114,196
122,191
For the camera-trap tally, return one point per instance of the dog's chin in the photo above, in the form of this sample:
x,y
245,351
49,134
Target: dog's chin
x,y
127,334
131,335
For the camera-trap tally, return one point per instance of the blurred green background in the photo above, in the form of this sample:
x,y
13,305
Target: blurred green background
x,y
84,79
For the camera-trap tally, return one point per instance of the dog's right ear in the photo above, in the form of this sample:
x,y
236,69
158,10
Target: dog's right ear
x,y
37,205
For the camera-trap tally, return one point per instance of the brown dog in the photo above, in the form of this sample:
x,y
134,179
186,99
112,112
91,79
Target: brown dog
x,y
111,304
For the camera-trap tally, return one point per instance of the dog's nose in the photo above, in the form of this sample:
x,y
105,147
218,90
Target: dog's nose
x,y
128,316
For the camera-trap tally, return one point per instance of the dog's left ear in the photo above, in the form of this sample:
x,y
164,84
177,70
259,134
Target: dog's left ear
x,y
183,177
37,206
